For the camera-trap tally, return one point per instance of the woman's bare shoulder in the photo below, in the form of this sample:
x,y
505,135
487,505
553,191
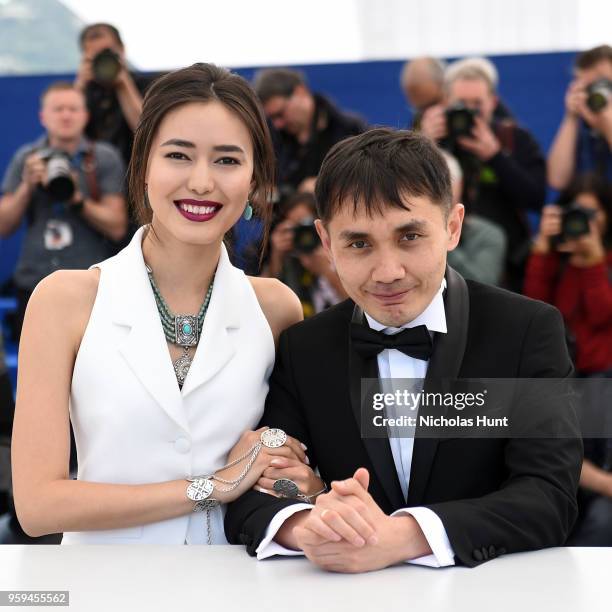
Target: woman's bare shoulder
x,y
66,296
278,302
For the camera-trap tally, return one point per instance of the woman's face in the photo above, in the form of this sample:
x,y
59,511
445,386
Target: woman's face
x,y
199,172
590,201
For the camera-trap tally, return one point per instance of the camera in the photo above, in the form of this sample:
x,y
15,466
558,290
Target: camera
x,y
460,120
575,222
598,94
60,184
305,237
106,66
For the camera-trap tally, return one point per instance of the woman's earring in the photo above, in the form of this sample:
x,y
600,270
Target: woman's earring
x,y
248,212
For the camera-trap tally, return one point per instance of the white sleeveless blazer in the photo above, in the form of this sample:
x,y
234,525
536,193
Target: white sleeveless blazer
x,y
131,422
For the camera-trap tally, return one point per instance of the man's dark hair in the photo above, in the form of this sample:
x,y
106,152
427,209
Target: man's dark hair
x,y
379,167
271,82
91,31
591,57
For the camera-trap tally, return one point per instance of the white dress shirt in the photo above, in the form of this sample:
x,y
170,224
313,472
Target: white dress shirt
x,y
392,364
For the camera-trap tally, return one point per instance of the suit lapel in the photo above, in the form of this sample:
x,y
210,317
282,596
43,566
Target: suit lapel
x,y
445,363
378,449
144,347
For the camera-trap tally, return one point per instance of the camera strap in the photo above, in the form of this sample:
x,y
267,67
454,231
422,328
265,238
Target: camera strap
x,y
89,169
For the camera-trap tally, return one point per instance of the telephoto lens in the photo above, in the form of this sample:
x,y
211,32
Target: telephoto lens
x,y
460,120
305,237
60,185
598,94
575,221
106,66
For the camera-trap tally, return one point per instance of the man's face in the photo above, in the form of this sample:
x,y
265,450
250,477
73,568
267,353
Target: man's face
x,y
291,114
392,264
98,40
63,114
601,70
475,94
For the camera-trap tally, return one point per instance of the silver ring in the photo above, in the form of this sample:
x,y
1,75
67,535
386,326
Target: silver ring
x,y
273,438
286,488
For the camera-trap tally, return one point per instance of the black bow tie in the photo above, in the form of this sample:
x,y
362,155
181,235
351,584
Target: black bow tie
x,y
412,341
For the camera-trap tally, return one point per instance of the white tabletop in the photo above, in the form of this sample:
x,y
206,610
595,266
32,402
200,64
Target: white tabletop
x,y
175,578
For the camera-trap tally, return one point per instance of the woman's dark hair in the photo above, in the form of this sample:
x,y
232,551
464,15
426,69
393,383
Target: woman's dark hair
x,y
377,168
597,186
202,83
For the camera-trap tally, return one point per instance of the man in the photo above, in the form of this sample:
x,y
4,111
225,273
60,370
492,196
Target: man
x,y
503,167
422,82
114,95
306,125
384,201
583,141
64,231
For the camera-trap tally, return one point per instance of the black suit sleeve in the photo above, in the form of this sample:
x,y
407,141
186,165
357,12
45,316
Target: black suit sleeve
x,y
536,505
248,517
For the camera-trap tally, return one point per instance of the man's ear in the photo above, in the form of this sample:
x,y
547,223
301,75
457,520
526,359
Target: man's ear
x,y
324,236
454,225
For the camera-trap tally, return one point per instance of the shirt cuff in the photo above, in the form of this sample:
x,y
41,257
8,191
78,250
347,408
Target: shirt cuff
x,y
435,534
268,547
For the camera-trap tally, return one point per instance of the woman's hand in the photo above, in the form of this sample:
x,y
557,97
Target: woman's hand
x,y
291,450
550,225
300,473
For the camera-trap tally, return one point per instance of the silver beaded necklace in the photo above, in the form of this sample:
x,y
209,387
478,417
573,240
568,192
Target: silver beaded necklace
x,y
180,330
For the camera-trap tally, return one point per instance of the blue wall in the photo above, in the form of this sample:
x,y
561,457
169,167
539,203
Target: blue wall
x,y
533,86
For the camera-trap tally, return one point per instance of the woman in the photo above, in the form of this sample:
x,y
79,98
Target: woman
x,y
572,269
162,352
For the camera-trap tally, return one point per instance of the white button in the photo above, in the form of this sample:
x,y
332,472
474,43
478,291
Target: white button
x,y
182,445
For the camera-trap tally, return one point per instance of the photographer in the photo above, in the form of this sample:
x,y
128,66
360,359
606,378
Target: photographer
x,y
584,138
571,267
113,94
68,189
306,125
503,166
297,257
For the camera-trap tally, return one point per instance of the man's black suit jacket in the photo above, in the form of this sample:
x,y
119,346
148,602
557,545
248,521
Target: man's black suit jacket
x,y
494,496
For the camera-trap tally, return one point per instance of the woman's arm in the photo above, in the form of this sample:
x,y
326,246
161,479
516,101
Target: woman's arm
x,y
47,500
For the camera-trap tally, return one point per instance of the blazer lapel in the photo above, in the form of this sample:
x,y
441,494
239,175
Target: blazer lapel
x,y
217,345
378,449
144,347
445,363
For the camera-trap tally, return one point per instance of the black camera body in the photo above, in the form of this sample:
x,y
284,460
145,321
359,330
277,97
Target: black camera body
x,y
60,184
575,222
460,120
106,66
598,94
305,237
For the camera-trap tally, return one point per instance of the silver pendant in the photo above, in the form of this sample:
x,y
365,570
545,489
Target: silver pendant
x,y
286,488
186,330
273,438
181,367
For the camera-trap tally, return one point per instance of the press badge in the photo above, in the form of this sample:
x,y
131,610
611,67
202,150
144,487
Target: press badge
x,y
58,235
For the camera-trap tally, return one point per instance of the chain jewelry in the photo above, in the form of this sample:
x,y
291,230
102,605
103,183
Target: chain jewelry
x,y
180,330
202,487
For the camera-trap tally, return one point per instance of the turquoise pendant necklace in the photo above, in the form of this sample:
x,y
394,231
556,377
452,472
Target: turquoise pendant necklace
x,y
180,330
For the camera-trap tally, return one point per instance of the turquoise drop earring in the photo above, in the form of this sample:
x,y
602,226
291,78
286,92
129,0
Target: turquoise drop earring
x,y
248,212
